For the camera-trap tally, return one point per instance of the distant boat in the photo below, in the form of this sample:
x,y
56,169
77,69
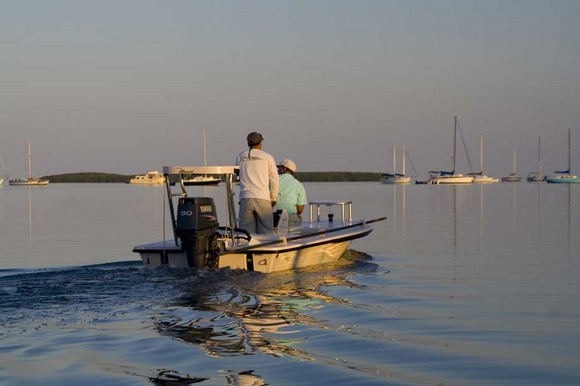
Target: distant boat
x,y
151,178
481,178
203,180
397,178
537,176
4,177
30,181
450,177
512,177
565,177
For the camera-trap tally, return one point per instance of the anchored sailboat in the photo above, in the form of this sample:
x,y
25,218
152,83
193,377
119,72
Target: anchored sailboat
x,y
397,178
30,181
450,177
202,179
537,176
512,177
481,178
565,177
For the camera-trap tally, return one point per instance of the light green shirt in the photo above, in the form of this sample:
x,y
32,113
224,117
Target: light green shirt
x,y
291,193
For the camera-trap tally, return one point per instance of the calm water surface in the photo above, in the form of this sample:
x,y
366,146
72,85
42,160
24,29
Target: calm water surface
x,y
461,285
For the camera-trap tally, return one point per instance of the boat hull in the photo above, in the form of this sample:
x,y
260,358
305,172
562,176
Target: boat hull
x,y
566,179
536,177
483,179
511,178
206,181
28,182
397,180
303,252
451,180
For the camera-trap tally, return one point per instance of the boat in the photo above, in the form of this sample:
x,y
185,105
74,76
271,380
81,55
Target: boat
x,y
4,177
512,177
537,176
564,176
397,178
151,178
481,178
441,177
29,181
199,241
203,180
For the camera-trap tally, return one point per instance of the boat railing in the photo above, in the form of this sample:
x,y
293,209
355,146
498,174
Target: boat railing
x,y
345,207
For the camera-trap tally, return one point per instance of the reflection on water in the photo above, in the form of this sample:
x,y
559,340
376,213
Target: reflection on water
x,y
258,313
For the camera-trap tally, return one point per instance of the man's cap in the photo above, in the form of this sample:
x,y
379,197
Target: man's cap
x,y
288,164
254,138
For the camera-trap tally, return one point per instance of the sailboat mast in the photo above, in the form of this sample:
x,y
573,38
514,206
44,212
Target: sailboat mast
x,y
29,164
394,158
539,155
404,153
204,150
454,143
515,150
569,151
481,153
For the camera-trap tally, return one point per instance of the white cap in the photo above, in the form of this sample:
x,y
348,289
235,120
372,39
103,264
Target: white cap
x,y
289,164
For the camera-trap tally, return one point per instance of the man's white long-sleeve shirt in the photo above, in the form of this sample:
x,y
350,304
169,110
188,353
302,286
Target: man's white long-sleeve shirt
x,y
258,175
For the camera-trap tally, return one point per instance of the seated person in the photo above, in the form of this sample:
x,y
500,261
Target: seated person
x,y
291,193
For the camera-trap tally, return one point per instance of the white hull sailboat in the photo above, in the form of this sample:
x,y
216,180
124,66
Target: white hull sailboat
x,y
397,178
30,181
450,178
513,177
481,178
200,242
537,176
565,177
202,180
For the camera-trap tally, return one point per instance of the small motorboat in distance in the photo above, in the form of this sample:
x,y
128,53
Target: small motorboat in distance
x,y
200,241
151,178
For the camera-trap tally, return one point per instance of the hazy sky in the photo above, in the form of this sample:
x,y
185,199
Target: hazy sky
x,y
128,86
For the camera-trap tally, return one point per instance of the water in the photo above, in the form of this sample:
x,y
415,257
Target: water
x,y
461,285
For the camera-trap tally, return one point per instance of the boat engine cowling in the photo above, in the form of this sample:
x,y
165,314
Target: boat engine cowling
x,y
196,225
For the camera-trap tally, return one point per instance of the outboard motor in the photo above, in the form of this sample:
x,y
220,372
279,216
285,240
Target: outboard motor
x,y
196,225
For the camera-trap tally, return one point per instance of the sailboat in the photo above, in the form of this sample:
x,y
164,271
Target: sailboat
x,y
202,179
4,177
30,181
537,176
481,178
444,177
512,177
564,176
397,178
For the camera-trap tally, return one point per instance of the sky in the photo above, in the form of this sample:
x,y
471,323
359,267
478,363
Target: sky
x,y
128,86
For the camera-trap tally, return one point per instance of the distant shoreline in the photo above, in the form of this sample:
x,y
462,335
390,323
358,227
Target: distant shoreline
x,y
92,177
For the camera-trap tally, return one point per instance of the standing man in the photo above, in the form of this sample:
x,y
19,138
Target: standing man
x,y
292,196
258,186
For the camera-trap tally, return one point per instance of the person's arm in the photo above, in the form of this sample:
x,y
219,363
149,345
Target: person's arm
x,y
274,181
301,200
299,209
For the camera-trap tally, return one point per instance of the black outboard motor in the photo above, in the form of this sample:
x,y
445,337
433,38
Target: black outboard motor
x,y
196,225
